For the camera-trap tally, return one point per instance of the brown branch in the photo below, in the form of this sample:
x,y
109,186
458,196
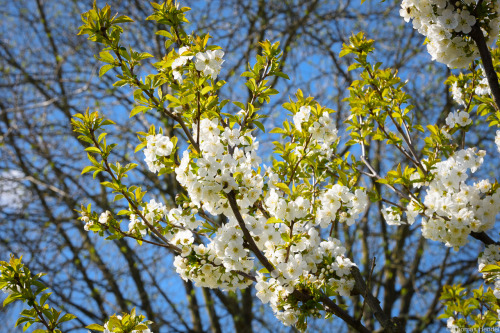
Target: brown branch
x,y
477,36
251,243
390,325
483,237
332,307
367,288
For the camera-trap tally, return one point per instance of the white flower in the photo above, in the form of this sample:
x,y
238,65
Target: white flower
x,y
497,140
448,19
209,62
301,116
457,93
136,223
105,217
463,119
157,145
180,62
164,146
232,136
460,118
391,216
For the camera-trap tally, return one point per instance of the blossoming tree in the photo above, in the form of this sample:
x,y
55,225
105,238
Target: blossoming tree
x,y
238,222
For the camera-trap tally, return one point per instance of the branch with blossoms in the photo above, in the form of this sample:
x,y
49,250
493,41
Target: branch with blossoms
x,y
221,176
277,222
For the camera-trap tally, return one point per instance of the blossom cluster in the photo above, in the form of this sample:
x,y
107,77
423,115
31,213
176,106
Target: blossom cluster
x,y
152,212
228,162
454,208
339,203
446,24
177,224
157,146
490,256
483,87
460,118
392,215
215,265
210,62
316,263
323,131
104,218
304,260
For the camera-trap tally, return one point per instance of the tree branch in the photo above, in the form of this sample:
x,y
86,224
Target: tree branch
x,y
477,36
390,325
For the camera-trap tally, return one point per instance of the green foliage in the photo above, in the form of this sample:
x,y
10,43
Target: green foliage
x,y
124,323
380,110
475,309
20,285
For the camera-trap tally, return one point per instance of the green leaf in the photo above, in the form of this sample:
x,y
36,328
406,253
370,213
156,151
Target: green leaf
x,y
93,150
101,136
110,185
95,327
44,298
205,90
108,122
145,55
105,69
283,187
164,33
140,146
21,320
138,109
118,197
11,298
122,19
491,268
120,83
277,130
240,105
354,66
173,99
88,169
283,75
67,317
247,74
259,125
105,56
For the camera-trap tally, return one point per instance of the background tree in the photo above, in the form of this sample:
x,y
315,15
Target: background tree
x,y
50,74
